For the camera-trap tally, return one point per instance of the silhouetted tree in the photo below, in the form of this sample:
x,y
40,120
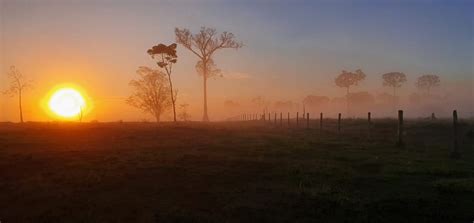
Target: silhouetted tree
x,y
184,115
204,44
166,56
347,79
18,85
426,82
150,92
394,80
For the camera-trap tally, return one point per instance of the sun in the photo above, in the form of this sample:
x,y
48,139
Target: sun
x,y
67,102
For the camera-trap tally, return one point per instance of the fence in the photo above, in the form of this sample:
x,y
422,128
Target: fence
x,y
400,142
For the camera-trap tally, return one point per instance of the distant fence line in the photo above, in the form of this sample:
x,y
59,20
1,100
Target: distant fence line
x,y
267,118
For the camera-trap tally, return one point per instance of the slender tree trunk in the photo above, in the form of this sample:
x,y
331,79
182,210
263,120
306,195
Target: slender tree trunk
x,y
205,117
21,109
173,99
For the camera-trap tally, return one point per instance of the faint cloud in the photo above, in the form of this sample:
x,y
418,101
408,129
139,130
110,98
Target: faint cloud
x,y
237,76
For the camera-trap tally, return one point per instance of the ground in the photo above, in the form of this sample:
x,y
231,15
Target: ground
x,y
235,172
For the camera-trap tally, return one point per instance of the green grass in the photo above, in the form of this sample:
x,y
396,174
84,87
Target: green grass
x,y
234,172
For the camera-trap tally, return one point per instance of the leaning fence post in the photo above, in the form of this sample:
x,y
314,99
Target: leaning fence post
x,y
307,120
339,123
400,142
455,153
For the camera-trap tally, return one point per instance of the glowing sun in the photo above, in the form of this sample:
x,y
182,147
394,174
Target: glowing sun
x,y
67,102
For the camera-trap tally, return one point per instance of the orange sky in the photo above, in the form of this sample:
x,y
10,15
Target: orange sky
x,y
98,45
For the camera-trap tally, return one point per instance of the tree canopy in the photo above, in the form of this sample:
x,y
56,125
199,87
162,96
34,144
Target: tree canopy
x,y
347,79
394,79
150,92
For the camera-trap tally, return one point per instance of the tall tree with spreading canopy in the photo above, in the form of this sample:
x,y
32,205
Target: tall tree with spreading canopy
x,y
17,87
150,92
394,80
347,79
427,82
165,57
204,44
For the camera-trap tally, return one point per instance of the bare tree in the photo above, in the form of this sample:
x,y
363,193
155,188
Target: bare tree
x,y
428,81
394,80
150,92
17,86
347,79
204,44
166,56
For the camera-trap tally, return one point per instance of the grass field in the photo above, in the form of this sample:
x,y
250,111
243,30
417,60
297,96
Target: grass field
x,y
234,172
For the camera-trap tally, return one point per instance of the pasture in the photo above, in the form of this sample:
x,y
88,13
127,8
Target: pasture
x,y
245,171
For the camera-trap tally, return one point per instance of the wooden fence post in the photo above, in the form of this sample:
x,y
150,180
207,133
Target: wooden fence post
x,y
369,126
269,118
400,142
297,118
307,120
339,123
275,118
433,117
455,153
321,122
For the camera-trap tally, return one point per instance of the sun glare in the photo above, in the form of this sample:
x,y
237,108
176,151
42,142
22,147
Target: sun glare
x,y
67,102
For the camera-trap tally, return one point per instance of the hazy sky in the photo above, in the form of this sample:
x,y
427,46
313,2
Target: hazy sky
x,y
292,48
